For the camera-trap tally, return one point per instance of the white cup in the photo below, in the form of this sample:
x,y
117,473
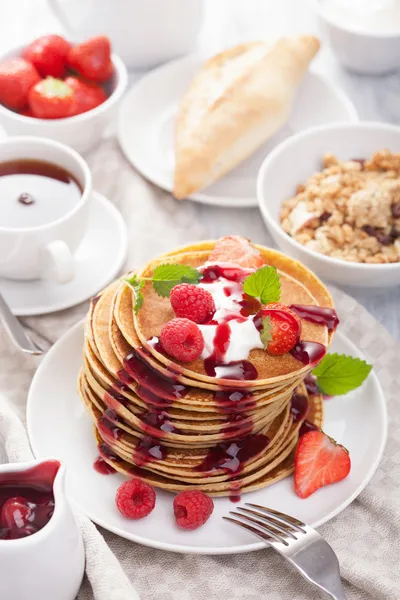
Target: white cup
x,y
143,33
45,251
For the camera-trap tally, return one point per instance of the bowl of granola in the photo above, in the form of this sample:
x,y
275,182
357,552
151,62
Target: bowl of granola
x,y
330,197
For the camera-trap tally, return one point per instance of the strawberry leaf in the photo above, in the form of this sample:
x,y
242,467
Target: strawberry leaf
x,y
338,374
266,331
263,284
136,286
165,277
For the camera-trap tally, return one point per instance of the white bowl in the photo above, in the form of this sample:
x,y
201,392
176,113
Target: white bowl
x,y
81,132
363,52
296,159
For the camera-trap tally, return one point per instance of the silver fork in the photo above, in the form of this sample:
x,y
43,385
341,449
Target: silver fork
x,y
300,544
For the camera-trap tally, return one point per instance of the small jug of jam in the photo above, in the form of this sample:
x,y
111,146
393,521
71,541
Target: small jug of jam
x,y
41,548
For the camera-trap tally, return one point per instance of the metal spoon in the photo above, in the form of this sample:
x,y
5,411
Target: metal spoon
x,y
16,331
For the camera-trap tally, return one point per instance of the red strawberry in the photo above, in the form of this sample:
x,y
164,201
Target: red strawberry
x,y
92,58
280,328
236,249
319,460
48,54
87,95
52,99
26,112
17,76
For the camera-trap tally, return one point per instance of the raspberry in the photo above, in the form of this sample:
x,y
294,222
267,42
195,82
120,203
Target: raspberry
x,y
182,339
192,509
192,302
135,499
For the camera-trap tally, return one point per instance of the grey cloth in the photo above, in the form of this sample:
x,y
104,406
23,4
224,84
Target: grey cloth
x,y
365,536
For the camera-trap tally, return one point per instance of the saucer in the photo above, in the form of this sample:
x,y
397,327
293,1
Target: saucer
x,y
98,260
146,126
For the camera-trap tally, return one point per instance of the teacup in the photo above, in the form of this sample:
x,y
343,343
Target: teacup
x,y
143,33
43,247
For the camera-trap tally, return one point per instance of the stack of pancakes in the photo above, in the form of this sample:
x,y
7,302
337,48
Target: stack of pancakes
x,y
173,424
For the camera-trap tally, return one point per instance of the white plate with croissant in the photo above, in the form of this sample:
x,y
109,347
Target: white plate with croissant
x,y
201,130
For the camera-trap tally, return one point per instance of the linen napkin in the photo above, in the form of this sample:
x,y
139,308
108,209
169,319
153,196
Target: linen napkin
x,y
103,570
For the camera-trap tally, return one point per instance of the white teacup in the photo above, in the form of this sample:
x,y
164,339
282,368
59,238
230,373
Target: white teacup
x,y
143,33
45,251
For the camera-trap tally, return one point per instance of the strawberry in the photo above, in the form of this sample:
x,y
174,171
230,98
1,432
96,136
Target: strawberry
x,y
17,76
319,460
52,99
92,59
280,328
48,54
87,95
236,249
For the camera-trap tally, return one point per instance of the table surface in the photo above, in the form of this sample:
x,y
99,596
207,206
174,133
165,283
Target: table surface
x,y
228,22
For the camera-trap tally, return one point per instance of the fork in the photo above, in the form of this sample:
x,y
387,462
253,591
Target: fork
x,y
300,544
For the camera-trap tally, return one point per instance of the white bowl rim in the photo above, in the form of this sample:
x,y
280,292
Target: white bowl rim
x,y
329,260
344,27
121,84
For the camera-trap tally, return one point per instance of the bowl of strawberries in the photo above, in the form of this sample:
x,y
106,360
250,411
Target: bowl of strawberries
x,y
60,90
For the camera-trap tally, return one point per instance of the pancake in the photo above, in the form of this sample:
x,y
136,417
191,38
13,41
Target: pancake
x,y
172,423
157,311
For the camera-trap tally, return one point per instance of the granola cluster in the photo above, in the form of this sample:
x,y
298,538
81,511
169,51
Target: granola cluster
x,y
349,210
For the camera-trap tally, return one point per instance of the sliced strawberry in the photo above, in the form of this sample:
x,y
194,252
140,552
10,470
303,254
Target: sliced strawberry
x,y
17,76
236,249
92,59
319,461
52,99
280,328
48,54
87,95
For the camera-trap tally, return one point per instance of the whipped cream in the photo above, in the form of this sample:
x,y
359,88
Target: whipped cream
x,y
227,296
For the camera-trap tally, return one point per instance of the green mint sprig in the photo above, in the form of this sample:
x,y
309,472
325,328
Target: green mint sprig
x,y
164,278
338,374
136,286
263,284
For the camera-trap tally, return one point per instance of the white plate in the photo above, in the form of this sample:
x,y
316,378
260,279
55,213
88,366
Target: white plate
x,y
97,261
146,123
59,427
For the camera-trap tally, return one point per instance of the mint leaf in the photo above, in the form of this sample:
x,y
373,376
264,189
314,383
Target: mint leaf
x,y
338,374
263,284
265,334
165,277
136,286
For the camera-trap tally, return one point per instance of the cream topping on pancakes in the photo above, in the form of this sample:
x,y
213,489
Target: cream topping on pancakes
x,y
227,295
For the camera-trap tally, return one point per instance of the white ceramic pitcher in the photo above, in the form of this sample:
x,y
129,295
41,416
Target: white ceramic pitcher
x,y
48,564
143,33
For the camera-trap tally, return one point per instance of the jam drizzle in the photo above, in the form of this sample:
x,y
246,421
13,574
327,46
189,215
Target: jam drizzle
x,y
299,407
317,314
308,352
232,456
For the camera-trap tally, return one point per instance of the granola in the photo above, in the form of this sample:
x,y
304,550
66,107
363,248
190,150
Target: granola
x,y
349,210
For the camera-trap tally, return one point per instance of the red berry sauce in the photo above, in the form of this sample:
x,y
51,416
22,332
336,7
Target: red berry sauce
x,y
299,407
27,500
308,352
317,314
232,456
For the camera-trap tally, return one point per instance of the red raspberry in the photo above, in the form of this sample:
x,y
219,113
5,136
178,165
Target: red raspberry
x,y
192,509
182,339
135,499
192,302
